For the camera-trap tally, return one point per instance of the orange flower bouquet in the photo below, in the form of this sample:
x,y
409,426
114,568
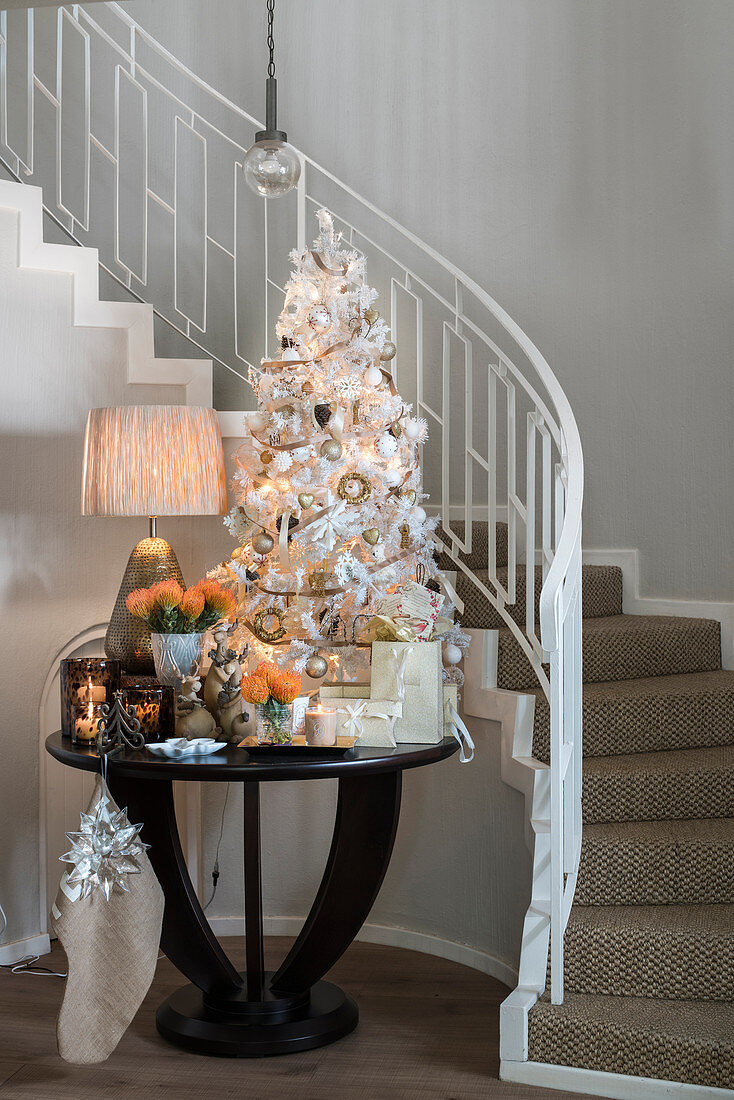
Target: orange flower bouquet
x,y
271,691
178,620
168,609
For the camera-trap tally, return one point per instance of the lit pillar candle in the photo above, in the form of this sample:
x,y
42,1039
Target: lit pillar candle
x,y
320,726
85,722
97,693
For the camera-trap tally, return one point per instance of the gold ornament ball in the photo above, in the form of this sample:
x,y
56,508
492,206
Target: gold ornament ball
x,y
316,667
371,315
331,449
262,543
389,351
266,457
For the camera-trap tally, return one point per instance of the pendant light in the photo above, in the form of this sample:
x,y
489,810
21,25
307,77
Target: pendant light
x,y
271,165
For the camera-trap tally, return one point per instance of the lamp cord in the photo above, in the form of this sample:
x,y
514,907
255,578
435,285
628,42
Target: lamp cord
x,y
215,869
271,40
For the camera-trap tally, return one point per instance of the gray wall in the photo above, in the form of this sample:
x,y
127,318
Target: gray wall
x,y
576,158
59,571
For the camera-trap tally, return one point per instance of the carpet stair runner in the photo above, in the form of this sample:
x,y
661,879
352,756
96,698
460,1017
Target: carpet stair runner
x,y
649,946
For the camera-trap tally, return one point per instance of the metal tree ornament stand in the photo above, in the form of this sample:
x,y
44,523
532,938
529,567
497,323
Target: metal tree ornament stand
x,y
119,726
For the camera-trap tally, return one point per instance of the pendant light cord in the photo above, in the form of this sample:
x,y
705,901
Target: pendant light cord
x,y
271,40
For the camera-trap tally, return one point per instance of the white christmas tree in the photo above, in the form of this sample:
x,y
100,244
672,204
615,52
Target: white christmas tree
x,y
328,484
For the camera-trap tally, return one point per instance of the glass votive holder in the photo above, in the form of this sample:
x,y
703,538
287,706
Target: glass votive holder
x,y
86,719
85,680
320,726
154,706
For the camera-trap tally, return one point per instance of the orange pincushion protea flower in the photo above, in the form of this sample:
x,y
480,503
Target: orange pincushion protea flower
x,y
166,594
218,598
192,603
266,669
254,689
139,603
284,686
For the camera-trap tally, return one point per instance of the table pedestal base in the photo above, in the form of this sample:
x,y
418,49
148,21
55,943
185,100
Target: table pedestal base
x,y
232,1026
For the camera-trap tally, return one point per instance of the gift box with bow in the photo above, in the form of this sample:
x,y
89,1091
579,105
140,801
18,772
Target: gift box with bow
x,y
371,721
356,690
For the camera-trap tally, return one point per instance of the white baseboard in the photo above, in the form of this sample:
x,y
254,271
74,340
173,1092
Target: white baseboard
x,y
635,604
19,949
388,936
619,1086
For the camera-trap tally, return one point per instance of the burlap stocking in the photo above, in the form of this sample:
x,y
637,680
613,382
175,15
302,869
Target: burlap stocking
x,y
112,948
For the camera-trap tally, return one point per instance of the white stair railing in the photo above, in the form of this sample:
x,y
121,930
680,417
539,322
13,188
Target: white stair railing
x,y
140,158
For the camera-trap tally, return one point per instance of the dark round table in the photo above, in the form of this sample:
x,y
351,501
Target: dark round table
x,y
257,1013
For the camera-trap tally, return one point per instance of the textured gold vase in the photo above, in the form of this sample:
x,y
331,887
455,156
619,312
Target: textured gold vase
x,y
128,638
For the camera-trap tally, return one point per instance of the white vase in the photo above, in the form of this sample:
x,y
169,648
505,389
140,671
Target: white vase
x,y
174,655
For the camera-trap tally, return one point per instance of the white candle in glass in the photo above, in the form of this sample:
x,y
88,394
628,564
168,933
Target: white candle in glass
x,y
320,726
85,722
96,693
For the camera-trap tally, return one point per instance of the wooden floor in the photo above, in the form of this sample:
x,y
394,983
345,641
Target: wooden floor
x,y
428,1028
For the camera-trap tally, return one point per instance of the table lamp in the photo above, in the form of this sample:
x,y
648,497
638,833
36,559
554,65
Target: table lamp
x,y
150,460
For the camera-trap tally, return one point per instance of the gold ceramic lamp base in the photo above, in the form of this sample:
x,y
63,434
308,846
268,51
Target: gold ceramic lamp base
x,y
128,638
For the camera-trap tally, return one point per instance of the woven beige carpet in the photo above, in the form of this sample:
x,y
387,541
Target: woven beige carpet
x,y
649,947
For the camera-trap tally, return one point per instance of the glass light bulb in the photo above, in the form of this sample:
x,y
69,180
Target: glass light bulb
x,y
271,168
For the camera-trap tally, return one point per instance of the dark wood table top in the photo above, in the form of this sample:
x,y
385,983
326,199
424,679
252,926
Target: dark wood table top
x,y
234,764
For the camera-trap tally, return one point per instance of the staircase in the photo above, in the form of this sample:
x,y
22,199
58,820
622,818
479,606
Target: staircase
x,y
649,945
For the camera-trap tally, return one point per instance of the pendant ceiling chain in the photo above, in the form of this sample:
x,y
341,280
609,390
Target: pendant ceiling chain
x,y
271,167
271,40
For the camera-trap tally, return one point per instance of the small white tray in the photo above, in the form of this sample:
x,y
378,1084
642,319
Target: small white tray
x,y
176,748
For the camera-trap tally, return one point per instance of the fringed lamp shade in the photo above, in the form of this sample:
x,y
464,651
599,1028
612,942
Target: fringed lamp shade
x,y
150,460
153,460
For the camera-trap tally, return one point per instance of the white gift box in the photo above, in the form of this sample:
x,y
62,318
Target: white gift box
x,y
345,691
411,673
371,721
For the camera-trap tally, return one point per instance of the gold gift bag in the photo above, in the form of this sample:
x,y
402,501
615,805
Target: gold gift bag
x,y
412,674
